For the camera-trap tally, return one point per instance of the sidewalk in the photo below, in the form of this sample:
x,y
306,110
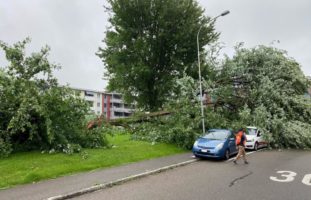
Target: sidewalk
x,y
71,184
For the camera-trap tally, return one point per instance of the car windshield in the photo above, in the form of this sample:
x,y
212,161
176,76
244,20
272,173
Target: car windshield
x,y
251,131
217,135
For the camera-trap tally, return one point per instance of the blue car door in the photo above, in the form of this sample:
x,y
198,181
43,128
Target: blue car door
x,y
232,145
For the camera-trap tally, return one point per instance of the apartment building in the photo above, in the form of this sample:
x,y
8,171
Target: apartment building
x,y
109,104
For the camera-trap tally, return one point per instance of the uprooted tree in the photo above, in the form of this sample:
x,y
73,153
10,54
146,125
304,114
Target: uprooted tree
x,y
260,86
35,112
263,86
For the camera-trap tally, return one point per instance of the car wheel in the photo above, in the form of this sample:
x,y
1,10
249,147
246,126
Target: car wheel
x,y
227,154
196,156
256,146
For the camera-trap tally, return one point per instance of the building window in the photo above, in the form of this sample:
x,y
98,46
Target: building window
x,y
127,114
116,96
117,105
128,106
89,94
98,104
118,114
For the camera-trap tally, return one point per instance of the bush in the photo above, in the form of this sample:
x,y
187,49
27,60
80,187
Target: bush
x,y
95,138
5,148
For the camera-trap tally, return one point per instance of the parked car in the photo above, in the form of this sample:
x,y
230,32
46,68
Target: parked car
x,y
217,143
254,138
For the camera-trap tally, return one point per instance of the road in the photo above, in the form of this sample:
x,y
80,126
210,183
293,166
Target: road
x,y
271,175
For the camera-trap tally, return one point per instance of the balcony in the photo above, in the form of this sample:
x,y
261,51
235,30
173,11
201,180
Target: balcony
x,y
121,109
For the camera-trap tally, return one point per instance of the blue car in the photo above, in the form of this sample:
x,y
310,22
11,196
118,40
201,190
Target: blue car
x,y
217,143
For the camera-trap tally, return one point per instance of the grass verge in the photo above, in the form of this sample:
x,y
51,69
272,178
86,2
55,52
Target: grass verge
x,y
28,167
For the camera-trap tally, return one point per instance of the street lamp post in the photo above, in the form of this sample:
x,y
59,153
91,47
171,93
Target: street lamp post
x,y
200,79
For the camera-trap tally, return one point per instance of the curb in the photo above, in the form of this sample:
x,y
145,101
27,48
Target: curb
x,y
119,181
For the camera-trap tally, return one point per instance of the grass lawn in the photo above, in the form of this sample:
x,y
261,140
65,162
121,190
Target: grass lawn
x,y
21,168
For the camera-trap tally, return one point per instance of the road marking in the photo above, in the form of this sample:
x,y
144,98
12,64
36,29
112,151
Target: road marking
x,y
307,179
289,176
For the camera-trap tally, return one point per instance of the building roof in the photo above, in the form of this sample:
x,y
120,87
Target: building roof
x,y
97,91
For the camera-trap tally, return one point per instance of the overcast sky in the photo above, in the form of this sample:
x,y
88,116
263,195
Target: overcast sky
x,y
74,30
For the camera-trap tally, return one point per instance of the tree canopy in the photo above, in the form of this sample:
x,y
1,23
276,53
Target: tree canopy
x,y
150,44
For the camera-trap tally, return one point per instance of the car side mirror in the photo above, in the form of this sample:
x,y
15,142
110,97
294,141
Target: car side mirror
x,y
258,134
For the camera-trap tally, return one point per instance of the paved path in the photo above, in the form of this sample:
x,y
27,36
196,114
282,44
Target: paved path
x,y
69,184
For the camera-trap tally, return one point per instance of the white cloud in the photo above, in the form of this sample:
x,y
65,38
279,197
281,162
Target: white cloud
x,y
264,21
74,30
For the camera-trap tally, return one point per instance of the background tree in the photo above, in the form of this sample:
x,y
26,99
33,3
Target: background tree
x,y
150,44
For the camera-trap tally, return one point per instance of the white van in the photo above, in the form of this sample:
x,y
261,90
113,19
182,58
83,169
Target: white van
x,y
254,139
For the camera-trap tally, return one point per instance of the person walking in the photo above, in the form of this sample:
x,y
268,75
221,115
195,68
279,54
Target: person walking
x,y
240,140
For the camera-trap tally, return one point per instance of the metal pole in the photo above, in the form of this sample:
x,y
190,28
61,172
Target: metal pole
x,y
200,82
199,64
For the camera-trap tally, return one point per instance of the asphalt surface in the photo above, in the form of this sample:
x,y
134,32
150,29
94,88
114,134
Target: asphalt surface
x,y
216,180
